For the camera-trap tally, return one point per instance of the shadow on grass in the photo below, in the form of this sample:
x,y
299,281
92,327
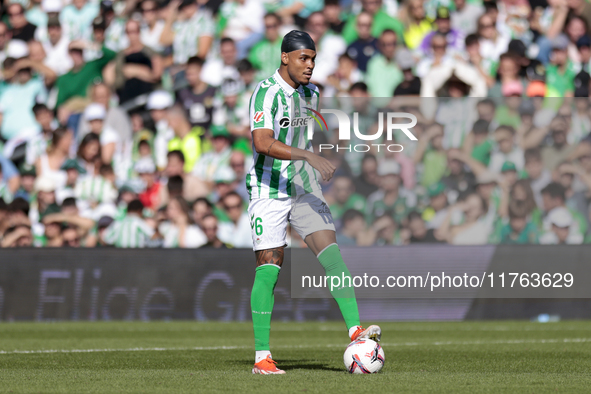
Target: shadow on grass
x,y
288,365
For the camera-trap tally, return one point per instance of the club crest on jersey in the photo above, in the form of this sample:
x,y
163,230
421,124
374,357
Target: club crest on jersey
x,y
258,116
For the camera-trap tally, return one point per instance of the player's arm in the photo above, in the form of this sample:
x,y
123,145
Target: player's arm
x,y
266,144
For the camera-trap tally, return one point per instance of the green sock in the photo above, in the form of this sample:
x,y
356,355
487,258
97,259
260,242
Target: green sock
x,y
333,265
261,303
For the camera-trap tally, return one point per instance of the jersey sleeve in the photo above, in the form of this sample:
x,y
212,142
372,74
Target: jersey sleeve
x,y
263,107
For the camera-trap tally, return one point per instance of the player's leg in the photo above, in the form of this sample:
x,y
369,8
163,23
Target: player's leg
x,y
262,298
313,221
323,244
268,222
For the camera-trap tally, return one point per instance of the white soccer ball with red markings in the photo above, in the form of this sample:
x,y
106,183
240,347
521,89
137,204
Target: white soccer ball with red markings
x,y
364,356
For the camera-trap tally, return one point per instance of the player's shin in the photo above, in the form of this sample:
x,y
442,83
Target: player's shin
x,y
261,302
331,260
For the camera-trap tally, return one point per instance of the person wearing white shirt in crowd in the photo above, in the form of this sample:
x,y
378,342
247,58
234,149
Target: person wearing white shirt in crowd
x,y
152,26
116,118
188,29
328,46
41,134
56,48
236,232
50,9
465,17
158,103
112,147
209,162
217,70
560,221
244,23
493,42
77,19
506,150
179,231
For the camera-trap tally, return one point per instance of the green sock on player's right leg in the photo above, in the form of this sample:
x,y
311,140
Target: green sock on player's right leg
x,y
331,260
261,303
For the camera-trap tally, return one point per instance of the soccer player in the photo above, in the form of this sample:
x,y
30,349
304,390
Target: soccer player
x,y
283,185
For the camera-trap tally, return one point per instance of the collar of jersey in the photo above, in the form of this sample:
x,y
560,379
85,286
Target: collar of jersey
x,y
284,85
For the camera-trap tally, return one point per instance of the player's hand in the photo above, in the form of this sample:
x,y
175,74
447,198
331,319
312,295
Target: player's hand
x,y
325,167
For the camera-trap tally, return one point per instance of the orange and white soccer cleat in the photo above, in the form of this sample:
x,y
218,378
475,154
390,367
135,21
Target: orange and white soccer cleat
x,y
267,367
372,332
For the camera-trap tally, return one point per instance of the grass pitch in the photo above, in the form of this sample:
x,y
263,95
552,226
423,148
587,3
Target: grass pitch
x,y
179,357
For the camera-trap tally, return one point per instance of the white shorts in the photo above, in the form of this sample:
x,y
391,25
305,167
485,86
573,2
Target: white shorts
x,y
307,214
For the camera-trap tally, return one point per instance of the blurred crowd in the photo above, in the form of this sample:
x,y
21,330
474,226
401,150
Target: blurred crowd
x,y
125,123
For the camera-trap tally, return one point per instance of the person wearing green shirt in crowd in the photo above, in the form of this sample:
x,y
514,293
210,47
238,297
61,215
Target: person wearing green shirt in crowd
x,y
478,144
391,198
344,197
432,155
519,230
186,139
381,22
75,83
265,55
383,73
559,76
508,113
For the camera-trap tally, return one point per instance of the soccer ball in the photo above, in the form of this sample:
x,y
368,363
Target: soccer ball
x,y
364,356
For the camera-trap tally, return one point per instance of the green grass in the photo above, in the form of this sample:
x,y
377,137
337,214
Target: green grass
x,y
467,357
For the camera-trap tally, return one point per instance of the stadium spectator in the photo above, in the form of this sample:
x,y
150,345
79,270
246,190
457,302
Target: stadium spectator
x,y
150,197
187,139
416,23
383,74
179,231
381,21
264,55
236,231
137,68
242,21
217,70
49,163
210,228
198,97
465,17
343,197
352,227
365,46
419,232
519,230
115,117
476,225
24,87
76,81
188,29
131,231
454,39
21,29
210,162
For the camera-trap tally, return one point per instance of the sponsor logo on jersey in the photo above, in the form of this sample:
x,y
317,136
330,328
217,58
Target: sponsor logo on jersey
x,y
258,116
295,122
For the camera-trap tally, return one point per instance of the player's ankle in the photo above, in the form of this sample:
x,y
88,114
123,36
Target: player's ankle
x,y
261,355
353,330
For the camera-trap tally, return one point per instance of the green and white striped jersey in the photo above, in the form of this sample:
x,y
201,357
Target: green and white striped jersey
x,y
95,188
130,232
277,106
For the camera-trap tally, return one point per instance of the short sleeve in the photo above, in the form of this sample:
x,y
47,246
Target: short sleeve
x,y
263,106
